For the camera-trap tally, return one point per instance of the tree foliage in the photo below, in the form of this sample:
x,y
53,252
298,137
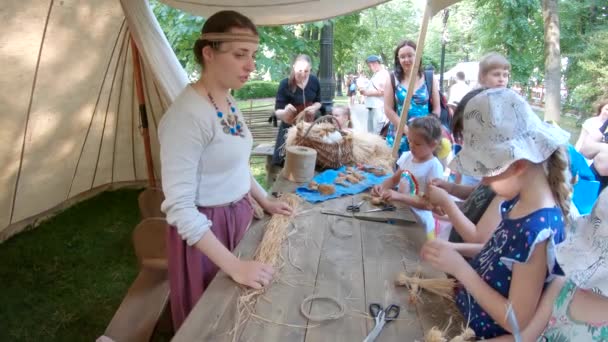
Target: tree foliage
x,y
475,27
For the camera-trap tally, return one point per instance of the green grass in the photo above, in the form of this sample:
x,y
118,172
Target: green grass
x,y
258,169
567,122
64,280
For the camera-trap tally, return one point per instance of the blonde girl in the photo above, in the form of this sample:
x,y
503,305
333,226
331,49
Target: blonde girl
x,y
523,159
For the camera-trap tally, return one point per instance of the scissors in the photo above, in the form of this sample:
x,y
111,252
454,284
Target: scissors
x,y
355,208
381,317
385,208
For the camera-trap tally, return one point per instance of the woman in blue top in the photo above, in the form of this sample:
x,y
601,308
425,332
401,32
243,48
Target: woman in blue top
x,y
395,92
524,160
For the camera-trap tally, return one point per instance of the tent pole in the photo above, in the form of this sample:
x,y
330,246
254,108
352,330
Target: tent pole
x,y
143,115
412,81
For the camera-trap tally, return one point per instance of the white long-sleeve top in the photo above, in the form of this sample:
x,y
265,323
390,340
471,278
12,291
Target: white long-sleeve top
x,y
201,164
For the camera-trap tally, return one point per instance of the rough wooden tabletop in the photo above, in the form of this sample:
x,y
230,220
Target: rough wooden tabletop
x,y
352,260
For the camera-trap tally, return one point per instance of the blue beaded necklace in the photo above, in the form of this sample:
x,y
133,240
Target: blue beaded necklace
x,y
230,122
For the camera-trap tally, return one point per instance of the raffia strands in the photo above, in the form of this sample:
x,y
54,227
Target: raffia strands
x,y
268,252
443,287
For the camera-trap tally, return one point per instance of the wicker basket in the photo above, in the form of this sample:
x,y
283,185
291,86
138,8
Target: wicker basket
x,y
329,156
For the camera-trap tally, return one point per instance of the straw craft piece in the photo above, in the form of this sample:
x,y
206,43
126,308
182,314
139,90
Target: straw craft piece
x,y
268,252
437,335
442,287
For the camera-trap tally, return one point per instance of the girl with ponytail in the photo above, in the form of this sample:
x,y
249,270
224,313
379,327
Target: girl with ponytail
x,y
524,161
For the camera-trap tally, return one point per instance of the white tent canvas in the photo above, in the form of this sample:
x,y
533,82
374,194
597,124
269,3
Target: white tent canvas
x,y
69,115
470,69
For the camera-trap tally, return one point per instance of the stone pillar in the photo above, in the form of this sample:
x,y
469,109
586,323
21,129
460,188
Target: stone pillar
x,y
326,70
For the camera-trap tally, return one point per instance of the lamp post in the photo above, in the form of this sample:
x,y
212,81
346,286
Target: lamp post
x,y
326,70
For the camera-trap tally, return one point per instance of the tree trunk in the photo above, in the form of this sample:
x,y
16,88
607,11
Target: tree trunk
x,y
552,60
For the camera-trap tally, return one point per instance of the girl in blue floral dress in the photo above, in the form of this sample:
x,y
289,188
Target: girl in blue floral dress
x,y
575,308
395,93
524,160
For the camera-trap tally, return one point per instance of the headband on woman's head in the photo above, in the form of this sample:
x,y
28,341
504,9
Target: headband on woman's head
x,y
230,37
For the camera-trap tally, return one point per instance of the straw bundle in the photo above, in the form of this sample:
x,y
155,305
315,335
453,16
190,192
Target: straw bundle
x,y
443,287
268,252
371,149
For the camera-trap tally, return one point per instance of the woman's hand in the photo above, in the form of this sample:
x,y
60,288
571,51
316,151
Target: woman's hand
x,y
277,207
436,196
289,113
251,273
443,257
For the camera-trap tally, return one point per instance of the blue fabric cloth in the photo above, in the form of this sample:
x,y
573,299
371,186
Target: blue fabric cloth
x,y
419,107
513,242
329,176
578,165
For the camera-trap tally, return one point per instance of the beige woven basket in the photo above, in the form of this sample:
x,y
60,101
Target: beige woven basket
x,y
329,156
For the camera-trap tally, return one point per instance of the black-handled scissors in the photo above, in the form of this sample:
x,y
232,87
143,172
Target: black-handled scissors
x,y
355,208
381,317
385,208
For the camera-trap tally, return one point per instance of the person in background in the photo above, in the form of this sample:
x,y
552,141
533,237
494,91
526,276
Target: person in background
x,y
475,219
592,125
205,147
416,169
352,90
458,90
300,92
494,71
396,90
361,82
595,148
342,116
374,94
525,161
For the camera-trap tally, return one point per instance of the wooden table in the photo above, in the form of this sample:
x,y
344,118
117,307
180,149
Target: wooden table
x,y
355,261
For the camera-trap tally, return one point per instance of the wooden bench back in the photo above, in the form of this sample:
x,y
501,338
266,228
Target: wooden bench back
x,y
149,203
149,242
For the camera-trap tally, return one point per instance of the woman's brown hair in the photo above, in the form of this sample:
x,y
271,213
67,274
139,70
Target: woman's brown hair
x,y
601,105
399,73
221,22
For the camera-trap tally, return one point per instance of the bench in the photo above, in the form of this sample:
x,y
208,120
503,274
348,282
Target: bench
x,y
149,202
144,308
267,150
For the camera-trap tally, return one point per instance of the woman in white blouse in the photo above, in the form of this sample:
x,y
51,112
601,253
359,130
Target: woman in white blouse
x,y
205,149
